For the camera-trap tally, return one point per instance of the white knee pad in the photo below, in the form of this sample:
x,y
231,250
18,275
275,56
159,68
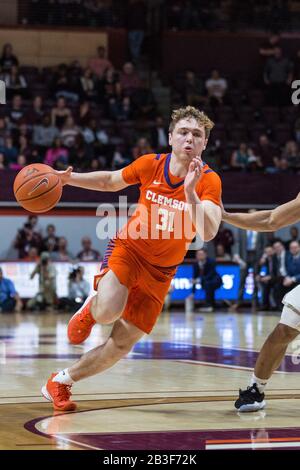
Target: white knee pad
x,y
292,299
290,318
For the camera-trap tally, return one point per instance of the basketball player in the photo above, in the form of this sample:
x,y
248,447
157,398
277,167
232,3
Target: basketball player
x,y
137,270
274,348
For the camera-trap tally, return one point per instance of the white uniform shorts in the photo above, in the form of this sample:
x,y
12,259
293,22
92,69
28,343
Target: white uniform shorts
x,y
291,311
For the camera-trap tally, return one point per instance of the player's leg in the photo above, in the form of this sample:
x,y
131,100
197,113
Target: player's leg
x,y
272,353
105,307
123,337
121,340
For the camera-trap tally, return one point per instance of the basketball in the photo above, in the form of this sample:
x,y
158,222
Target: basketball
x,y
37,188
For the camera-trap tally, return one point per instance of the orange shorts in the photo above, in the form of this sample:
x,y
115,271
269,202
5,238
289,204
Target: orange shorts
x,y
147,284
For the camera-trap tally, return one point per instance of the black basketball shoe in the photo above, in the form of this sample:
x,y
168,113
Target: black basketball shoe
x,y
250,400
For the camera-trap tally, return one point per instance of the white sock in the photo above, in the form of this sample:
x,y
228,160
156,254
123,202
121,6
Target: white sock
x,y
63,377
261,383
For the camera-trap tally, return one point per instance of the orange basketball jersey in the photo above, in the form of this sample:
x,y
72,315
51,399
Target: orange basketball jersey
x,y
160,229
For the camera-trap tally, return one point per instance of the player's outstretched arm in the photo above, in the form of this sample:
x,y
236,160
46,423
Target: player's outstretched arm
x,y
95,180
266,221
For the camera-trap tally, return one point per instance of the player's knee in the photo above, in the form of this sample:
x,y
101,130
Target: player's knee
x,y
284,333
106,316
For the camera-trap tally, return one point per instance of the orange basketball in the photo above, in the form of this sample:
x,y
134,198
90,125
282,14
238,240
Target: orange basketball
x,y
37,188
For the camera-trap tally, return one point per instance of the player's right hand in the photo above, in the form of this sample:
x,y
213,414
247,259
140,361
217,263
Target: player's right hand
x,y
65,175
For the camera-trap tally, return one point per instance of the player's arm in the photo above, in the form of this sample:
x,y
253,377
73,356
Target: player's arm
x,y
95,180
266,221
205,214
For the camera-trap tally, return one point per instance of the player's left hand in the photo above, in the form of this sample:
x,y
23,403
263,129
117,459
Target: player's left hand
x,y
194,174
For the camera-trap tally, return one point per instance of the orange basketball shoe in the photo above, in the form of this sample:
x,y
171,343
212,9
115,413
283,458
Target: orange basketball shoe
x,y
81,324
59,394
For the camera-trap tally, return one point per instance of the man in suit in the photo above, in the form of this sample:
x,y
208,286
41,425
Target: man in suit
x,y
293,266
280,260
250,245
267,279
205,270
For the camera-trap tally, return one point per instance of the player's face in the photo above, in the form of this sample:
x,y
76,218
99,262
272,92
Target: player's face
x,y
188,139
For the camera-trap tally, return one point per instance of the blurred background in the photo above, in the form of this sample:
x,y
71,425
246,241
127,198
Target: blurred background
x,y
92,83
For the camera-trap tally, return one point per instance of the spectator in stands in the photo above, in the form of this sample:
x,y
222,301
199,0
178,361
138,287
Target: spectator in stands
x,y
62,253
266,150
240,157
33,255
36,114
9,298
23,147
8,59
87,85
159,135
125,111
194,92
16,112
79,288
57,155
33,221
254,163
142,147
120,159
294,234
225,238
84,114
64,84
99,64
26,238
88,253
129,79
109,88
9,150
278,75
3,130
51,247
92,133
266,276
216,88
19,164
282,166
50,234
221,254
15,83
60,113
291,154
46,297
144,102
81,154
136,26
204,270
44,134
69,132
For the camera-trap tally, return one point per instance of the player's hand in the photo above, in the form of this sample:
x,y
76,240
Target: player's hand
x,y
65,175
194,174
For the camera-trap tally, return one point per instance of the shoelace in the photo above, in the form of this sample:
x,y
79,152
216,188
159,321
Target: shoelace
x,y
62,391
246,392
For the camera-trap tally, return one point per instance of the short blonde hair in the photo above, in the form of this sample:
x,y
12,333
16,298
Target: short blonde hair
x,y
190,112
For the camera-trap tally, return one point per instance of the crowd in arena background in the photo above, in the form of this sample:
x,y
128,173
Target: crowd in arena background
x,y
92,116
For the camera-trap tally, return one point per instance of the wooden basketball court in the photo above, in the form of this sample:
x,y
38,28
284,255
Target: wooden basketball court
x,y
174,391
